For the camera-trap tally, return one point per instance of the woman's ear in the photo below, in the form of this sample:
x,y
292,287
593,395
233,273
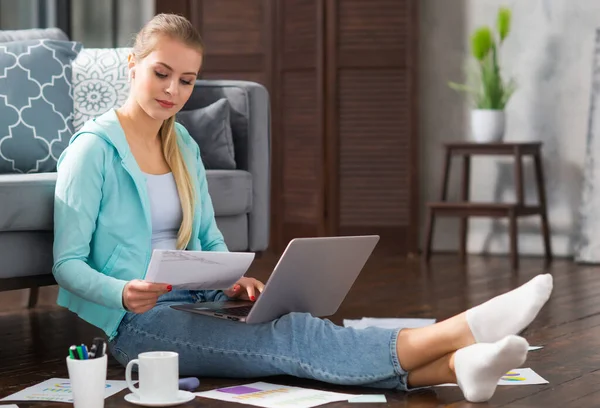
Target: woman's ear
x,y
130,60
131,66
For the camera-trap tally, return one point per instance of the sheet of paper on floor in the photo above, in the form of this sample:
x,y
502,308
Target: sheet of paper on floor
x,y
58,390
368,398
269,395
388,323
518,376
522,376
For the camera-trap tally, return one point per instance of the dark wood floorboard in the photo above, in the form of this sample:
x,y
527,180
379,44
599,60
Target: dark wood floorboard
x,y
33,343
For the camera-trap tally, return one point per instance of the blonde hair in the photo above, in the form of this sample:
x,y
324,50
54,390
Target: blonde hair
x,y
178,28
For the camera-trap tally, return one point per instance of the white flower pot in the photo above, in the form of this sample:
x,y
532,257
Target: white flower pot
x,y
487,125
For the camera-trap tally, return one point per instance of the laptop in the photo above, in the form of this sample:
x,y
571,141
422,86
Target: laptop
x,y
313,275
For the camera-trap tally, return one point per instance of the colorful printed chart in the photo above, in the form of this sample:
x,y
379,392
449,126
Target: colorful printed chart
x,y
522,376
59,390
518,376
271,395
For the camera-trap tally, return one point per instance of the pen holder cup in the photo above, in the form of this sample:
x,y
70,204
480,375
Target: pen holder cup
x,y
88,381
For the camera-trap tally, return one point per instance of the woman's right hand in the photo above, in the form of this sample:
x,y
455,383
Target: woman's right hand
x,y
140,296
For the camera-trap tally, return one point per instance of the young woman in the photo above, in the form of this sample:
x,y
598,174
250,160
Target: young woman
x,y
132,180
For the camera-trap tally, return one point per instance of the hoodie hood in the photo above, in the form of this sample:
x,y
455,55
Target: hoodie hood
x,y
108,128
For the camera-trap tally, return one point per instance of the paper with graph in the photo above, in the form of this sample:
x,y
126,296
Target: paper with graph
x,y
198,270
522,376
518,376
58,390
268,395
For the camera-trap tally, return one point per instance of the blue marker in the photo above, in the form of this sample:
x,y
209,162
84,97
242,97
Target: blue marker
x,y
84,351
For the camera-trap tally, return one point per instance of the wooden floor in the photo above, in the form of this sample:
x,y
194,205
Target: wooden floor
x,y
33,344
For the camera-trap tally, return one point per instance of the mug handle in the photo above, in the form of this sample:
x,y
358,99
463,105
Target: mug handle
x,y
133,389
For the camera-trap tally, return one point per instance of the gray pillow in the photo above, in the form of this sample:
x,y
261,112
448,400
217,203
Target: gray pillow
x,y
36,103
210,128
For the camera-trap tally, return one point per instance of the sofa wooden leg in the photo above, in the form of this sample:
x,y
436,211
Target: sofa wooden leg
x,y
33,297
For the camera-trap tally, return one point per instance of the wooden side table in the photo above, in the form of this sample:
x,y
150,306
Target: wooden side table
x,y
465,209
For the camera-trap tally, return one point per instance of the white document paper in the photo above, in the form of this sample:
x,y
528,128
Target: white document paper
x,y
59,390
268,395
522,376
388,323
375,398
198,270
518,376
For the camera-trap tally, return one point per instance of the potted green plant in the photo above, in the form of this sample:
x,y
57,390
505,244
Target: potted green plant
x,y
489,91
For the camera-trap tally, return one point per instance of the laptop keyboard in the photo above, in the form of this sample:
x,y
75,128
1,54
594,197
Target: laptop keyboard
x,y
235,311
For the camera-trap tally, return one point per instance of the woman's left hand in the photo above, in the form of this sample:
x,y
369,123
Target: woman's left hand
x,y
245,288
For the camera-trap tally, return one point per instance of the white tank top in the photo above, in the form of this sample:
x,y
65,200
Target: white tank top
x,y
165,210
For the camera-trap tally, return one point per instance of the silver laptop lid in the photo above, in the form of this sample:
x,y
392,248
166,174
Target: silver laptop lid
x,y
313,275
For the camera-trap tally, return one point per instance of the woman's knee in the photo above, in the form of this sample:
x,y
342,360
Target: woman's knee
x,y
118,353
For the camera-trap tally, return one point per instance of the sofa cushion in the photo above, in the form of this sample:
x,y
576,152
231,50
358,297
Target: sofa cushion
x,y
100,82
25,253
230,191
209,127
36,103
27,200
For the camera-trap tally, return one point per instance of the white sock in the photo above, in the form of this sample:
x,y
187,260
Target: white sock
x,y
511,312
479,367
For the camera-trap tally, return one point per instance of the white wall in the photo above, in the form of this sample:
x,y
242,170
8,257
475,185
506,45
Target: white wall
x,y
549,51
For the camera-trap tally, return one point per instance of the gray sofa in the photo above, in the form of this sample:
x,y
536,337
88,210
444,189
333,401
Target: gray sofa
x,y
240,197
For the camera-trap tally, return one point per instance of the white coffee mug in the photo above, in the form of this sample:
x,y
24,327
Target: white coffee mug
x,y
158,376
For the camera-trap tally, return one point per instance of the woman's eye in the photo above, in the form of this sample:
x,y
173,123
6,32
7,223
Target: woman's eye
x,y
186,82
158,74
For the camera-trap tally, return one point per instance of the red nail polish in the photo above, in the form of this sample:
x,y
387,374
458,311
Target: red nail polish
x,y
252,298
169,288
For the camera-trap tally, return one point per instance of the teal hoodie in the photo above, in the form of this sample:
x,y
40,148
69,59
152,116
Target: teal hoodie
x,y
102,223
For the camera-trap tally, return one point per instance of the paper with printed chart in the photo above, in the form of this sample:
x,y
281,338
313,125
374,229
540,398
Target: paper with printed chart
x,y
268,395
518,376
198,270
58,390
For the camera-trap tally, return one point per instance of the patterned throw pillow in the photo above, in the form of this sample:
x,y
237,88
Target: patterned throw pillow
x,y
99,82
36,103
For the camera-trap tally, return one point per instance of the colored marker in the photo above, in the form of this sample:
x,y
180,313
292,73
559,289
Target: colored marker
x,y
84,351
73,352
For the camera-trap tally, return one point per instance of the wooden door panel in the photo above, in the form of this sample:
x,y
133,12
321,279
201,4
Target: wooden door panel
x,y
374,121
300,109
342,78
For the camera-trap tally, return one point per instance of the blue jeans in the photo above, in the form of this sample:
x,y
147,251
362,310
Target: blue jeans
x,y
295,344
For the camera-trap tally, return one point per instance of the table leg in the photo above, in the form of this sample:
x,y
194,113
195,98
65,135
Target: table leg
x,y
429,234
514,240
539,175
464,221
